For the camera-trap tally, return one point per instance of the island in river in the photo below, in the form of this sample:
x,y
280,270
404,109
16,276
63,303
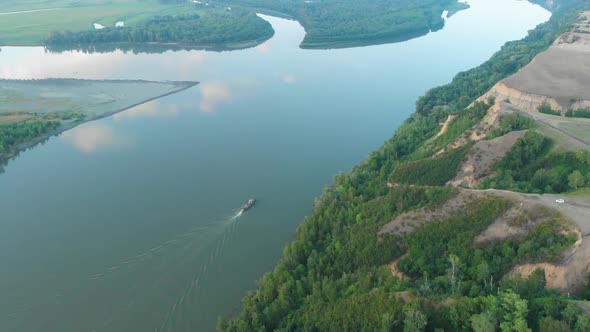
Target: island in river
x,y
351,23
33,110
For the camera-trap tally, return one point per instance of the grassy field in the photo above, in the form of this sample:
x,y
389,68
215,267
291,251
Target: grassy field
x,y
91,98
30,28
581,192
578,128
31,111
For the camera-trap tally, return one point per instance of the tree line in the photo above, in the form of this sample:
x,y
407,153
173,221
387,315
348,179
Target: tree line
x,y
211,27
12,134
532,166
335,23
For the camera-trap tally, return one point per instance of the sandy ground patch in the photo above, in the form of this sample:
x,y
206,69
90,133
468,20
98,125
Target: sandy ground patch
x,y
481,158
556,275
527,211
409,221
516,222
394,271
445,125
478,132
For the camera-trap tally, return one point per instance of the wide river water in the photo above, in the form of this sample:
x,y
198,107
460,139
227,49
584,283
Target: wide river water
x,y
125,224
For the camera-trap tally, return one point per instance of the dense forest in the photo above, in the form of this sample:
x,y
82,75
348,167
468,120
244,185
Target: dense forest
x,y
12,134
212,27
532,166
334,275
37,125
345,23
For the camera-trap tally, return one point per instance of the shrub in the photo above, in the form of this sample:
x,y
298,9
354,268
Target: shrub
x,y
546,109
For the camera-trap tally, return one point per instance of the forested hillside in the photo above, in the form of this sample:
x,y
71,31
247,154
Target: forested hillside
x,y
346,23
344,273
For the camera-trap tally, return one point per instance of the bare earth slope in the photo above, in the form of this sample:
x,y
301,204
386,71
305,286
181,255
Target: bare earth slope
x,y
569,275
558,77
481,158
528,210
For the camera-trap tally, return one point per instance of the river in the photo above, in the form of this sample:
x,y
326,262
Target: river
x,y
125,224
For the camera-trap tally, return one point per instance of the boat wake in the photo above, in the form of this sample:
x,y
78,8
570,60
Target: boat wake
x,y
160,267
237,215
184,303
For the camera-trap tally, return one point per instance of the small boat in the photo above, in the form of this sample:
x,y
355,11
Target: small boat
x,y
248,205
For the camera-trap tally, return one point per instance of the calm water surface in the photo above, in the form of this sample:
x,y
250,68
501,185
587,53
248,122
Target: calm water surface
x,y
125,224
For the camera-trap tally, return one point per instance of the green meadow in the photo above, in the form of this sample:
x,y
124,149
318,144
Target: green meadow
x,y
31,28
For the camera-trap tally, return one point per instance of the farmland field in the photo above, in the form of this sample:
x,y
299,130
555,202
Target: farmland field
x,y
26,23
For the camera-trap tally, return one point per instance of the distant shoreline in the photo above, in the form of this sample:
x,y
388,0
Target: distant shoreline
x,y
172,45
368,41
145,46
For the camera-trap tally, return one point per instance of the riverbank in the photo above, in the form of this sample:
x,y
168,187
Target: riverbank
x,y
360,23
327,43
335,274
57,105
154,47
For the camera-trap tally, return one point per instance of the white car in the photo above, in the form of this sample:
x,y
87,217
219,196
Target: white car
x,y
560,201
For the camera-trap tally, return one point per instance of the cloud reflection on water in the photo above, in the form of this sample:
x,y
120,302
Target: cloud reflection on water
x,y
23,63
264,47
153,109
90,137
212,94
289,79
